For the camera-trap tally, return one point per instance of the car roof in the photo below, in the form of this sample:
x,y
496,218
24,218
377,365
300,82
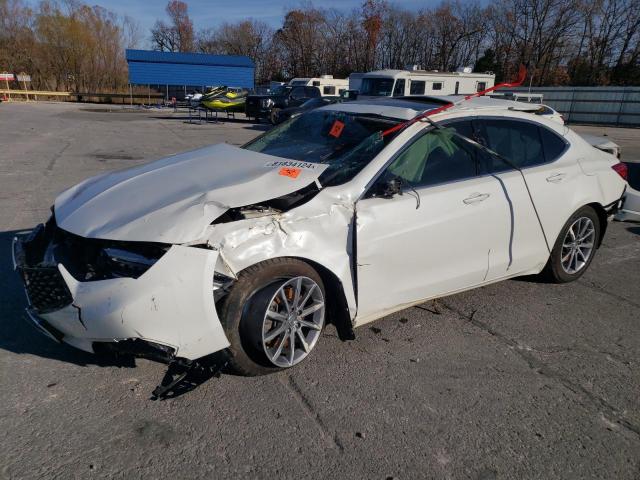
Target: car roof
x,y
405,108
401,109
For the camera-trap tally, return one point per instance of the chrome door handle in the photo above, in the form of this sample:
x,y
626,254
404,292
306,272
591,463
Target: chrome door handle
x,y
556,178
476,198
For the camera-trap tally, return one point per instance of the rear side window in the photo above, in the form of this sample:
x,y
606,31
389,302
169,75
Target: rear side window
x,y
552,144
517,141
327,90
417,87
437,86
436,157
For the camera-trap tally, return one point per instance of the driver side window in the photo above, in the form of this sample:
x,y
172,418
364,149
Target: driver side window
x,y
436,157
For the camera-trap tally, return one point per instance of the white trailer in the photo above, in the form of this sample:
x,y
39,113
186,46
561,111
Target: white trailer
x,y
399,83
328,85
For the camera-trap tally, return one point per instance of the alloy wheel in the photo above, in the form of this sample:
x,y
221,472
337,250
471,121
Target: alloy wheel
x,y
578,245
293,321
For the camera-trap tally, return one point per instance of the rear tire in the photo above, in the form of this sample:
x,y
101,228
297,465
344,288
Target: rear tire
x,y
575,247
246,316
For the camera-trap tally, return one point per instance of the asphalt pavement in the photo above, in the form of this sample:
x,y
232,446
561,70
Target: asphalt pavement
x,y
520,379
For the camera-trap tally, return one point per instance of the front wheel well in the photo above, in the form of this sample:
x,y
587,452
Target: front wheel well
x,y
337,306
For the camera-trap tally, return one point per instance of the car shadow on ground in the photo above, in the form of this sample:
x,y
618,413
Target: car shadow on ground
x,y
184,116
194,120
260,127
635,230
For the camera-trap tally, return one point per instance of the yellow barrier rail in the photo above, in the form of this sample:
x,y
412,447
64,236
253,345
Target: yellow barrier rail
x,y
35,92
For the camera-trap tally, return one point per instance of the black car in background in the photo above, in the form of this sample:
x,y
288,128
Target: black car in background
x,y
285,96
287,113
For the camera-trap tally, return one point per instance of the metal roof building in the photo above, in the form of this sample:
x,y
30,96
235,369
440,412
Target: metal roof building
x,y
188,71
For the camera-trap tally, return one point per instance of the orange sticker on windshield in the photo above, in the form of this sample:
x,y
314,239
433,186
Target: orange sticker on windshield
x,y
336,129
290,172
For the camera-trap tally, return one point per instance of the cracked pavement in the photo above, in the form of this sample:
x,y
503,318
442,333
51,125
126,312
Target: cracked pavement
x,y
518,379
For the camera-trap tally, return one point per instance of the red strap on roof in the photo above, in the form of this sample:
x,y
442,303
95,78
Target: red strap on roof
x,y
522,73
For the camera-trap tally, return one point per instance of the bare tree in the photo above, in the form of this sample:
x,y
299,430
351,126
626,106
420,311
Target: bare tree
x,y
177,35
250,38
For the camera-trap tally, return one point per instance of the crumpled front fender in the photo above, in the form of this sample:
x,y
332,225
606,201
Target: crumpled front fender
x,y
320,232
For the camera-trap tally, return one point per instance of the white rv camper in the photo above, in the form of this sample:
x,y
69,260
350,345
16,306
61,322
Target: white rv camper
x,y
399,83
328,85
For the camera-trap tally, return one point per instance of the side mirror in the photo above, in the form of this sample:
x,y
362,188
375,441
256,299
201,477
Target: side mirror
x,y
391,187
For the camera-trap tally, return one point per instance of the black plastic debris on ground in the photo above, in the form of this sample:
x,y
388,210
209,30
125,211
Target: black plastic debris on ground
x,y
183,376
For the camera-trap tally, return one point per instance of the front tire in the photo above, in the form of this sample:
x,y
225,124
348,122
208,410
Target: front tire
x,y
273,316
273,116
575,247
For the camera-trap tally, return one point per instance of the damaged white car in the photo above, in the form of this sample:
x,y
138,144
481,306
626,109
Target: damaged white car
x,y
341,215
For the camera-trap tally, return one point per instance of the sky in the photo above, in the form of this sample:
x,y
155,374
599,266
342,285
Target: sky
x,y
211,13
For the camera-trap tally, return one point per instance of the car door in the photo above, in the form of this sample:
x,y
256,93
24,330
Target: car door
x,y
440,235
297,97
552,172
527,246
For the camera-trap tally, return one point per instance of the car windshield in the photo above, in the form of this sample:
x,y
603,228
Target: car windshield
x,y
377,87
346,142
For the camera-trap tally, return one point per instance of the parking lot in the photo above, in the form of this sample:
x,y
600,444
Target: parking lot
x,y
520,379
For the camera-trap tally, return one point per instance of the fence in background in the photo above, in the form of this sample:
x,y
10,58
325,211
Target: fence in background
x,y
619,106
123,98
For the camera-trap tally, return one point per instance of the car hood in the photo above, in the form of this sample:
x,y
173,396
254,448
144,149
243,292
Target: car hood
x,y
175,199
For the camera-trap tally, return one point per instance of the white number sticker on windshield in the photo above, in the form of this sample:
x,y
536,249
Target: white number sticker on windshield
x,y
294,164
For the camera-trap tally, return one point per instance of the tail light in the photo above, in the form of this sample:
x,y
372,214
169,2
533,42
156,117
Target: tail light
x,y
621,169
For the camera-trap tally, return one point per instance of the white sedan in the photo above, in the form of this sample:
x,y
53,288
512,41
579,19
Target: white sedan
x,y
342,215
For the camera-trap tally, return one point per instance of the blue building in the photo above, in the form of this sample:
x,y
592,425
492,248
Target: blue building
x,y
176,74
